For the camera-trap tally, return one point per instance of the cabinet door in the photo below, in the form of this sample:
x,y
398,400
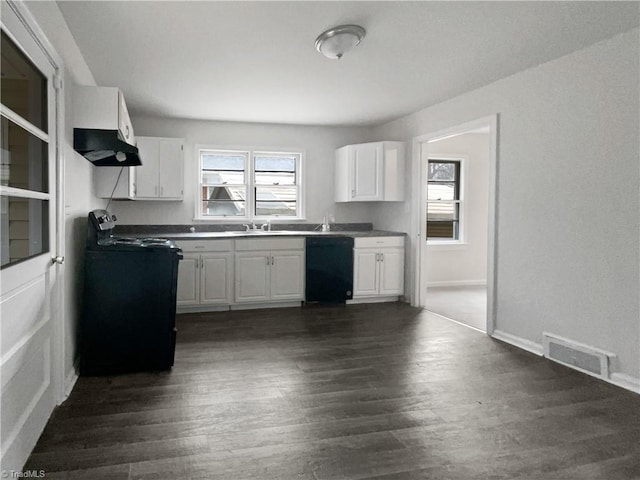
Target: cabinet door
x,y
252,276
343,188
147,174
188,280
367,171
365,272
287,275
391,271
215,278
170,169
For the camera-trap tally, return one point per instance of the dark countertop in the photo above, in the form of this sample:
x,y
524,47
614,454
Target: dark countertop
x,y
261,234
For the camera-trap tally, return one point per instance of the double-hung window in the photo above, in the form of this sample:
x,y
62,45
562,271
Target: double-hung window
x,y
249,184
443,200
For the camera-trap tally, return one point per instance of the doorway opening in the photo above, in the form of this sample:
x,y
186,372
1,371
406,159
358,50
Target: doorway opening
x,y
455,226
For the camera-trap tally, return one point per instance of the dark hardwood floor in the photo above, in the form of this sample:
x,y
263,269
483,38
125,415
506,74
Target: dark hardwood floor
x,y
380,391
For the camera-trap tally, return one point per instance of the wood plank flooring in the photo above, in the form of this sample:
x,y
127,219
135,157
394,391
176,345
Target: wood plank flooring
x,y
385,392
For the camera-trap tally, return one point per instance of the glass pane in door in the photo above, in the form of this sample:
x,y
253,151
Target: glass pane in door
x,y
23,158
24,228
23,86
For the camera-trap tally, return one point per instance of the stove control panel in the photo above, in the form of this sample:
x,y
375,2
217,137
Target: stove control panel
x,y
103,220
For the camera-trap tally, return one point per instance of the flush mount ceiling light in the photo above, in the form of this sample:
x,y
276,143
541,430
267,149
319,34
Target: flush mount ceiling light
x,y
336,41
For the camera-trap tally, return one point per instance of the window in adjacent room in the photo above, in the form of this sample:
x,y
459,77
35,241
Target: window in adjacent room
x,y
443,200
249,184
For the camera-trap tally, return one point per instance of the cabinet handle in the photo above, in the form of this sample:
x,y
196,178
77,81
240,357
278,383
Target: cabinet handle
x,y
377,257
382,257
126,132
353,193
272,261
268,260
161,191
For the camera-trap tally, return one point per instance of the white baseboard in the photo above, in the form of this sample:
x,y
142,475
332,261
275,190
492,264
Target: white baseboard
x,y
625,381
519,342
385,299
255,306
458,283
202,308
69,383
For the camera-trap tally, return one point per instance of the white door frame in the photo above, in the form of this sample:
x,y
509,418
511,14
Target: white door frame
x,y
23,28
492,225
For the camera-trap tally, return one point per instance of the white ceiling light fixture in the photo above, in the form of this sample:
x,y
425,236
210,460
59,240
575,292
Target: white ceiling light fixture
x,y
336,41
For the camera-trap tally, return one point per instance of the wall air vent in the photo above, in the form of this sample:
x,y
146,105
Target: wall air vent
x,y
577,355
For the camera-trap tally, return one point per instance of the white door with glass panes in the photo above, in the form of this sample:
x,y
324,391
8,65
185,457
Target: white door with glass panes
x,y
31,351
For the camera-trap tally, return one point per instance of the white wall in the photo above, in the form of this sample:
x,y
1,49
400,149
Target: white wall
x,y
79,196
568,179
464,264
318,143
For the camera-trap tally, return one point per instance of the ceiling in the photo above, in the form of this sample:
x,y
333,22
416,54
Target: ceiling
x,y
256,61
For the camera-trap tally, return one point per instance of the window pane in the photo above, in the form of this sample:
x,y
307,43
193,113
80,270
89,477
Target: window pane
x,y
223,193
223,200
445,211
23,87
222,161
275,178
276,200
442,230
223,208
287,209
23,159
442,171
222,178
441,191
275,164
24,228
276,193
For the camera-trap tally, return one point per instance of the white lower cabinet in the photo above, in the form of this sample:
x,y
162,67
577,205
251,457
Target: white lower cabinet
x,y
378,264
205,278
269,270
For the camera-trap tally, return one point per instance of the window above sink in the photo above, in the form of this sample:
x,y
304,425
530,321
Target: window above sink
x,y
249,184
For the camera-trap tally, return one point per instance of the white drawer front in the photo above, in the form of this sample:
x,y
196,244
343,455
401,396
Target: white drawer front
x,y
248,244
205,245
374,242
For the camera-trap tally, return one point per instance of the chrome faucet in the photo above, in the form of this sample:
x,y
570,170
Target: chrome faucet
x,y
268,225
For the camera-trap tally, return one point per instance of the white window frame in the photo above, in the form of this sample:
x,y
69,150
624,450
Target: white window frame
x,y
462,230
250,153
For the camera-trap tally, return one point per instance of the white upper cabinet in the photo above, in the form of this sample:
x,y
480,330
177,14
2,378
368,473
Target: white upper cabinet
x,y
370,172
102,108
160,177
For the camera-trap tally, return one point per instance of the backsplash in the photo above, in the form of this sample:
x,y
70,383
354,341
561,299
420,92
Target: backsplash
x,y
235,227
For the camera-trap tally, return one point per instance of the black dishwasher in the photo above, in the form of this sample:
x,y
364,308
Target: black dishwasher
x,y
329,269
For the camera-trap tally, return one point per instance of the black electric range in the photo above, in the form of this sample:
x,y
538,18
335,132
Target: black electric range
x,y
129,308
